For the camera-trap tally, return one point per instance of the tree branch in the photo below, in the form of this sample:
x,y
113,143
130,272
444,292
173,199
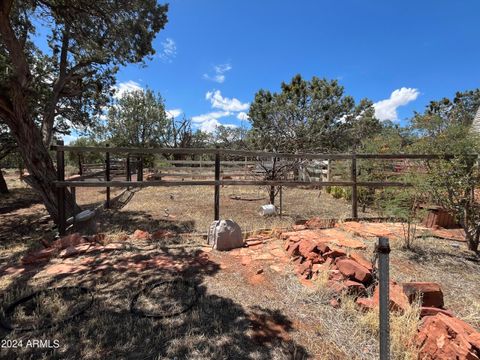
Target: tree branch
x,y
13,45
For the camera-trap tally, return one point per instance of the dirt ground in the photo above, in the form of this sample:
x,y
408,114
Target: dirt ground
x,y
247,304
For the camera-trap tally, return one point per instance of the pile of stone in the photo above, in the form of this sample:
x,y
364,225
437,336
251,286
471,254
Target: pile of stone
x,y
350,272
441,335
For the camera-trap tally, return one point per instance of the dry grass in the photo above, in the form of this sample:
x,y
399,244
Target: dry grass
x,y
195,206
403,327
220,325
451,265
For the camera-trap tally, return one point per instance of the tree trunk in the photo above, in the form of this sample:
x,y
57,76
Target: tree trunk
x,y
472,240
3,184
41,170
272,195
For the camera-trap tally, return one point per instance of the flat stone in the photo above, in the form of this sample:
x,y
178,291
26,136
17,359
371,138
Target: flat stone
x,y
445,337
335,252
359,258
430,293
432,311
353,270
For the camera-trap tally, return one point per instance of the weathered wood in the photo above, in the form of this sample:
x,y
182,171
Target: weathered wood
x,y
354,188
217,187
129,178
140,168
62,225
248,153
197,175
118,183
208,162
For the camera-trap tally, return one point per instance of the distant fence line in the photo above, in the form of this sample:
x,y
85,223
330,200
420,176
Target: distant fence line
x,y
82,181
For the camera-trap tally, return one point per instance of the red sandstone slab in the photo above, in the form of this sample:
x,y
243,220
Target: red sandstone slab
x,y
368,229
333,236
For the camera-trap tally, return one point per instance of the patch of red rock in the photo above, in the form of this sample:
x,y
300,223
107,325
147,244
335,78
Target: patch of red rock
x,y
314,251
441,336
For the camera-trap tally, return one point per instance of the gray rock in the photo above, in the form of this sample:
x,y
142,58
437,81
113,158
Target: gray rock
x,y
225,235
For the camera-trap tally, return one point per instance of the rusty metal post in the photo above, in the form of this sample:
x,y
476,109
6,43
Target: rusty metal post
x,y
383,249
354,187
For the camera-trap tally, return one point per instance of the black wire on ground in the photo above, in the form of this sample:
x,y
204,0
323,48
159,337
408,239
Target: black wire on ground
x,y
11,307
147,289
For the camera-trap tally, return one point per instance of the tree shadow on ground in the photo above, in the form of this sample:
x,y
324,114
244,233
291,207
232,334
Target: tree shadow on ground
x,y
129,221
18,199
433,254
215,328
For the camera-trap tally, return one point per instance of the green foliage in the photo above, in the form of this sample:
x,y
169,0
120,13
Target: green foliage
x,y
403,205
73,157
445,128
137,119
336,191
312,115
72,80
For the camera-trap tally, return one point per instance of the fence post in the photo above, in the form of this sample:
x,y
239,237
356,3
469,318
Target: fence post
x,y
140,168
281,200
329,170
217,185
383,250
73,191
354,187
61,190
107,176
80,170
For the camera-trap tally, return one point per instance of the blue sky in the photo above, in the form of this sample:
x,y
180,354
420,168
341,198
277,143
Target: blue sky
x,y
214,54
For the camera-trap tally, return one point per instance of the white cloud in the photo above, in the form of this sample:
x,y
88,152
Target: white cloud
x,y
211,125
225,104
169,50
242,116
124,87
387,109
209,116
219,75
173,113
209,122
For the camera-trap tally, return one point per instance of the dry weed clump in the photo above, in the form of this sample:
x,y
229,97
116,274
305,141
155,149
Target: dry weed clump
x,y
403,327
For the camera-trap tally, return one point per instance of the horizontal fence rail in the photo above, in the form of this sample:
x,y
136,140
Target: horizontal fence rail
x,y
193,168
226,182
212,151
